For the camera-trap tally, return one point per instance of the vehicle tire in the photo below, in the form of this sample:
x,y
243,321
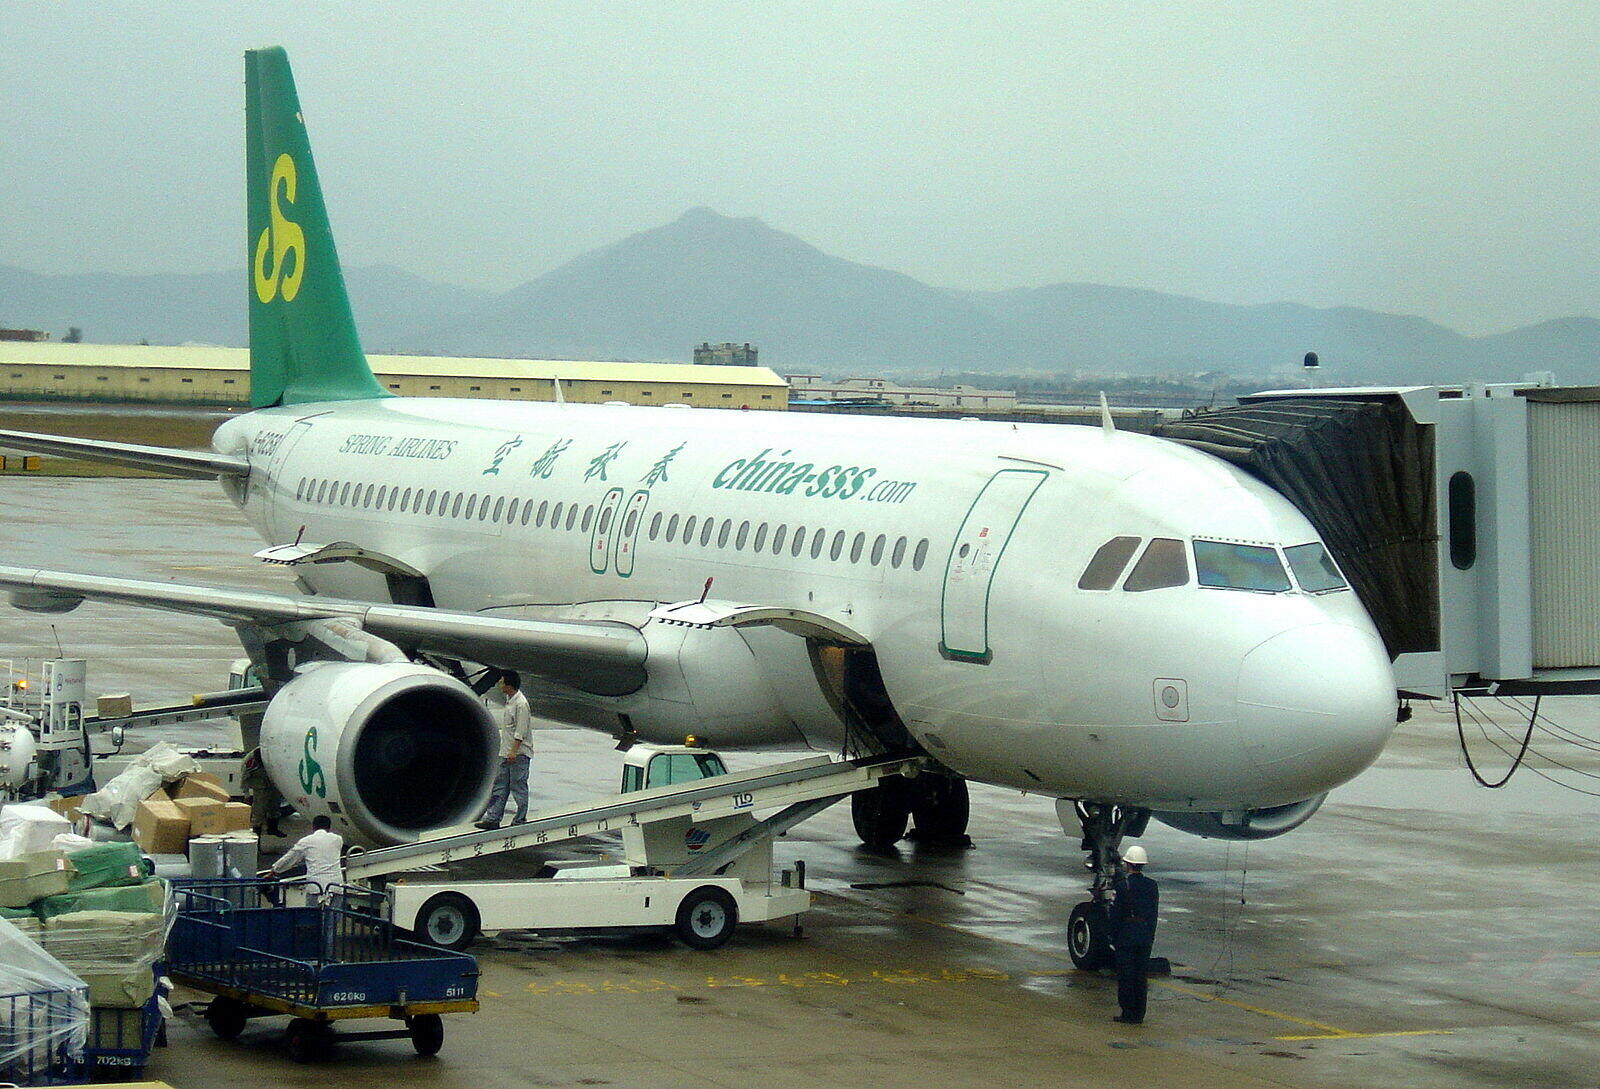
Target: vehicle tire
x,y
427,1033
880,813
448,920
1089,937
307,1040
941,809
226,1017
706,918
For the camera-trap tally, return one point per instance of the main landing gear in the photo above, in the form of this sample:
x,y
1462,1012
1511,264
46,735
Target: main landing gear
x,y
1104,826
936,806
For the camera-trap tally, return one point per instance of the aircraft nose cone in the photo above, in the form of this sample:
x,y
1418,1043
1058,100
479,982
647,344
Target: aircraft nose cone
x,y
1316,706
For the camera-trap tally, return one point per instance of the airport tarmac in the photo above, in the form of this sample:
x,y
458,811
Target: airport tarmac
x,y
1419,931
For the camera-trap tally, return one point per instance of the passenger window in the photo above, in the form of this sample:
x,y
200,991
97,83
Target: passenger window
x,y
722,534
383,494
499,506
672,529
555,516
446,509
856,546
372,490
483,508
538,519
633,520
743,536
527,510
511,511
898,554
394,497
799,543
1108,563
708,526
572,515
920,555
472,503
605,520
761,538
300,492
877,549
1163,564
838,545
1314,569
779,536
405,500
431,495
344,495
817,538
655,525
1239,567
688,529
588,517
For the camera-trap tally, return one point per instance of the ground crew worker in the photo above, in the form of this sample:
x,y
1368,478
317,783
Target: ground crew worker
x,y
321,851
1133,932
265,801
511,777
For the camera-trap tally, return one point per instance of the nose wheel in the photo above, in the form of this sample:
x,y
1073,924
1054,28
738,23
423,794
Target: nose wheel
x,y
1103,827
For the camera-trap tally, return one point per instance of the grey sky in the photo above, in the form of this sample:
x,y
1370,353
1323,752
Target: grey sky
x,y
1437,159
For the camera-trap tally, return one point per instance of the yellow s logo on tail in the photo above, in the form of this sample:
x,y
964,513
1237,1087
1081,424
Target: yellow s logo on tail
x,y
286,237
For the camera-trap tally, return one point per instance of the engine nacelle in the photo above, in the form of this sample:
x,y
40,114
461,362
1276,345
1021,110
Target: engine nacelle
x,y
387,751
17,748
1265,823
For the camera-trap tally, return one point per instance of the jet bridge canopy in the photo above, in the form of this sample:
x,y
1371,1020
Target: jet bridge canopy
x,y
1467,519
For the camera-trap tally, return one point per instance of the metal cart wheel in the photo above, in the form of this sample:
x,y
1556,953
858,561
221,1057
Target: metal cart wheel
x,y
449,921
706,918
226,1017
307,1040
427,1033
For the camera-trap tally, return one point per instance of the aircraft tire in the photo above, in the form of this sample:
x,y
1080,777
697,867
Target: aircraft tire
x,y
940,809
880,813
1089,937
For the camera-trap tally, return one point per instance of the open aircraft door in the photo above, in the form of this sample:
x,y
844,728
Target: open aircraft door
x,y
974,556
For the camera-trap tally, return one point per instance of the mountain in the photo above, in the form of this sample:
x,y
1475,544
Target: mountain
x,y
704,276
209,307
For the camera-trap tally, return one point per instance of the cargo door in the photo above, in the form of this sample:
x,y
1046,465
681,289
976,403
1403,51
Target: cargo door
x,y
974,558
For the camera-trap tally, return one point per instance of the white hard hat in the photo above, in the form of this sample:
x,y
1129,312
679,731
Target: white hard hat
x,y
1135,855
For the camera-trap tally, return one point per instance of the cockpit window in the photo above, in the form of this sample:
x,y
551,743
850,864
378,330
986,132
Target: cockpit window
x,y
1240,567
1314,569
1165,563
1108,562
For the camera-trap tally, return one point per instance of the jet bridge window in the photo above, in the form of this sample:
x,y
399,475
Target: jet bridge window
x,y
1240,567
1165,563
1314,569
1109,561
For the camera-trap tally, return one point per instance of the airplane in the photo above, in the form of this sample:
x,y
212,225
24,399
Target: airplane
x,y
1125,624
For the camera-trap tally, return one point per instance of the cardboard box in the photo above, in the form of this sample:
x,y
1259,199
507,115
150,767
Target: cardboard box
x,y
67,807
195,809
227,817
116,706
200,785
160,827
33,877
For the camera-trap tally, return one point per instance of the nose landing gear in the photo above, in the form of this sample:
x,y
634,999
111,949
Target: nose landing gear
x,y
1103,827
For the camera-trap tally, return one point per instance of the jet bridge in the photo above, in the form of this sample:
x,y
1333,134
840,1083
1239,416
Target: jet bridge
x,y
1467,518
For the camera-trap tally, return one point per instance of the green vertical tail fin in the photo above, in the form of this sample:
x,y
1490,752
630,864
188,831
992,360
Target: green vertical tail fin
x,y
303,343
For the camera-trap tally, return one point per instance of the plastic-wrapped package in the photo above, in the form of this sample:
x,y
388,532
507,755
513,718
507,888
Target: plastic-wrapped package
x,y
25,829
67,842
119,799
114,952
44,1012
148,897
31,877
106,865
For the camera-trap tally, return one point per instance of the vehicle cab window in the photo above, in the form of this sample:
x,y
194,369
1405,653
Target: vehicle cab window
x,y
1165,563
1226,566
1314,569
1108,563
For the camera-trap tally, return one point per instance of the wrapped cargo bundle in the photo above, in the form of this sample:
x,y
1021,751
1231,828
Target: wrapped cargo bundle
x,y
26,829
146,898
118,801
44,1012
114,952
32,877
106,865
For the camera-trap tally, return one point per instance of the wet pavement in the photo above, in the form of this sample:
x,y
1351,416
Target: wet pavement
x,y
1419,931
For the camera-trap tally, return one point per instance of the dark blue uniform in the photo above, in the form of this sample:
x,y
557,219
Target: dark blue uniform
x,y
1133,932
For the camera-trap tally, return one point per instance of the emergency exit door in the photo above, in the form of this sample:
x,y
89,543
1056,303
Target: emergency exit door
x,y
974,558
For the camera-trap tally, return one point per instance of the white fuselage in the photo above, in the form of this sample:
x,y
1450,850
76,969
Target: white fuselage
x,y
954,547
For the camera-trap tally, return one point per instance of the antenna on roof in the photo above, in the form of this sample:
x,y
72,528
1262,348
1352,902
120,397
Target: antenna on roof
x,y
1105,415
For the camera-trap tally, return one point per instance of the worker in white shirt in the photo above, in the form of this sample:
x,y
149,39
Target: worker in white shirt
x,y
511,777
321,852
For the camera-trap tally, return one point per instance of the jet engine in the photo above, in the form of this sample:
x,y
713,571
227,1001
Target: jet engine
x,y
1264,823
388,751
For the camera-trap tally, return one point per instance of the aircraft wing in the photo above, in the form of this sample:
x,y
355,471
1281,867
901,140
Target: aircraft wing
x,y
604,652
157,459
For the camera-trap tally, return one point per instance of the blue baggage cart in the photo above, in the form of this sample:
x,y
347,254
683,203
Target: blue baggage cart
x,y
120,1041
318,964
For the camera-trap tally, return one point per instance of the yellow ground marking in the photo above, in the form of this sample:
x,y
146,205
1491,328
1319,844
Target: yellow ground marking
x,y
1369,1035
1260,1010
1596,953
489,994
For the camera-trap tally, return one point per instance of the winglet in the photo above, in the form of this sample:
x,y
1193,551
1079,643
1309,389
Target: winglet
x,y
1105,415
